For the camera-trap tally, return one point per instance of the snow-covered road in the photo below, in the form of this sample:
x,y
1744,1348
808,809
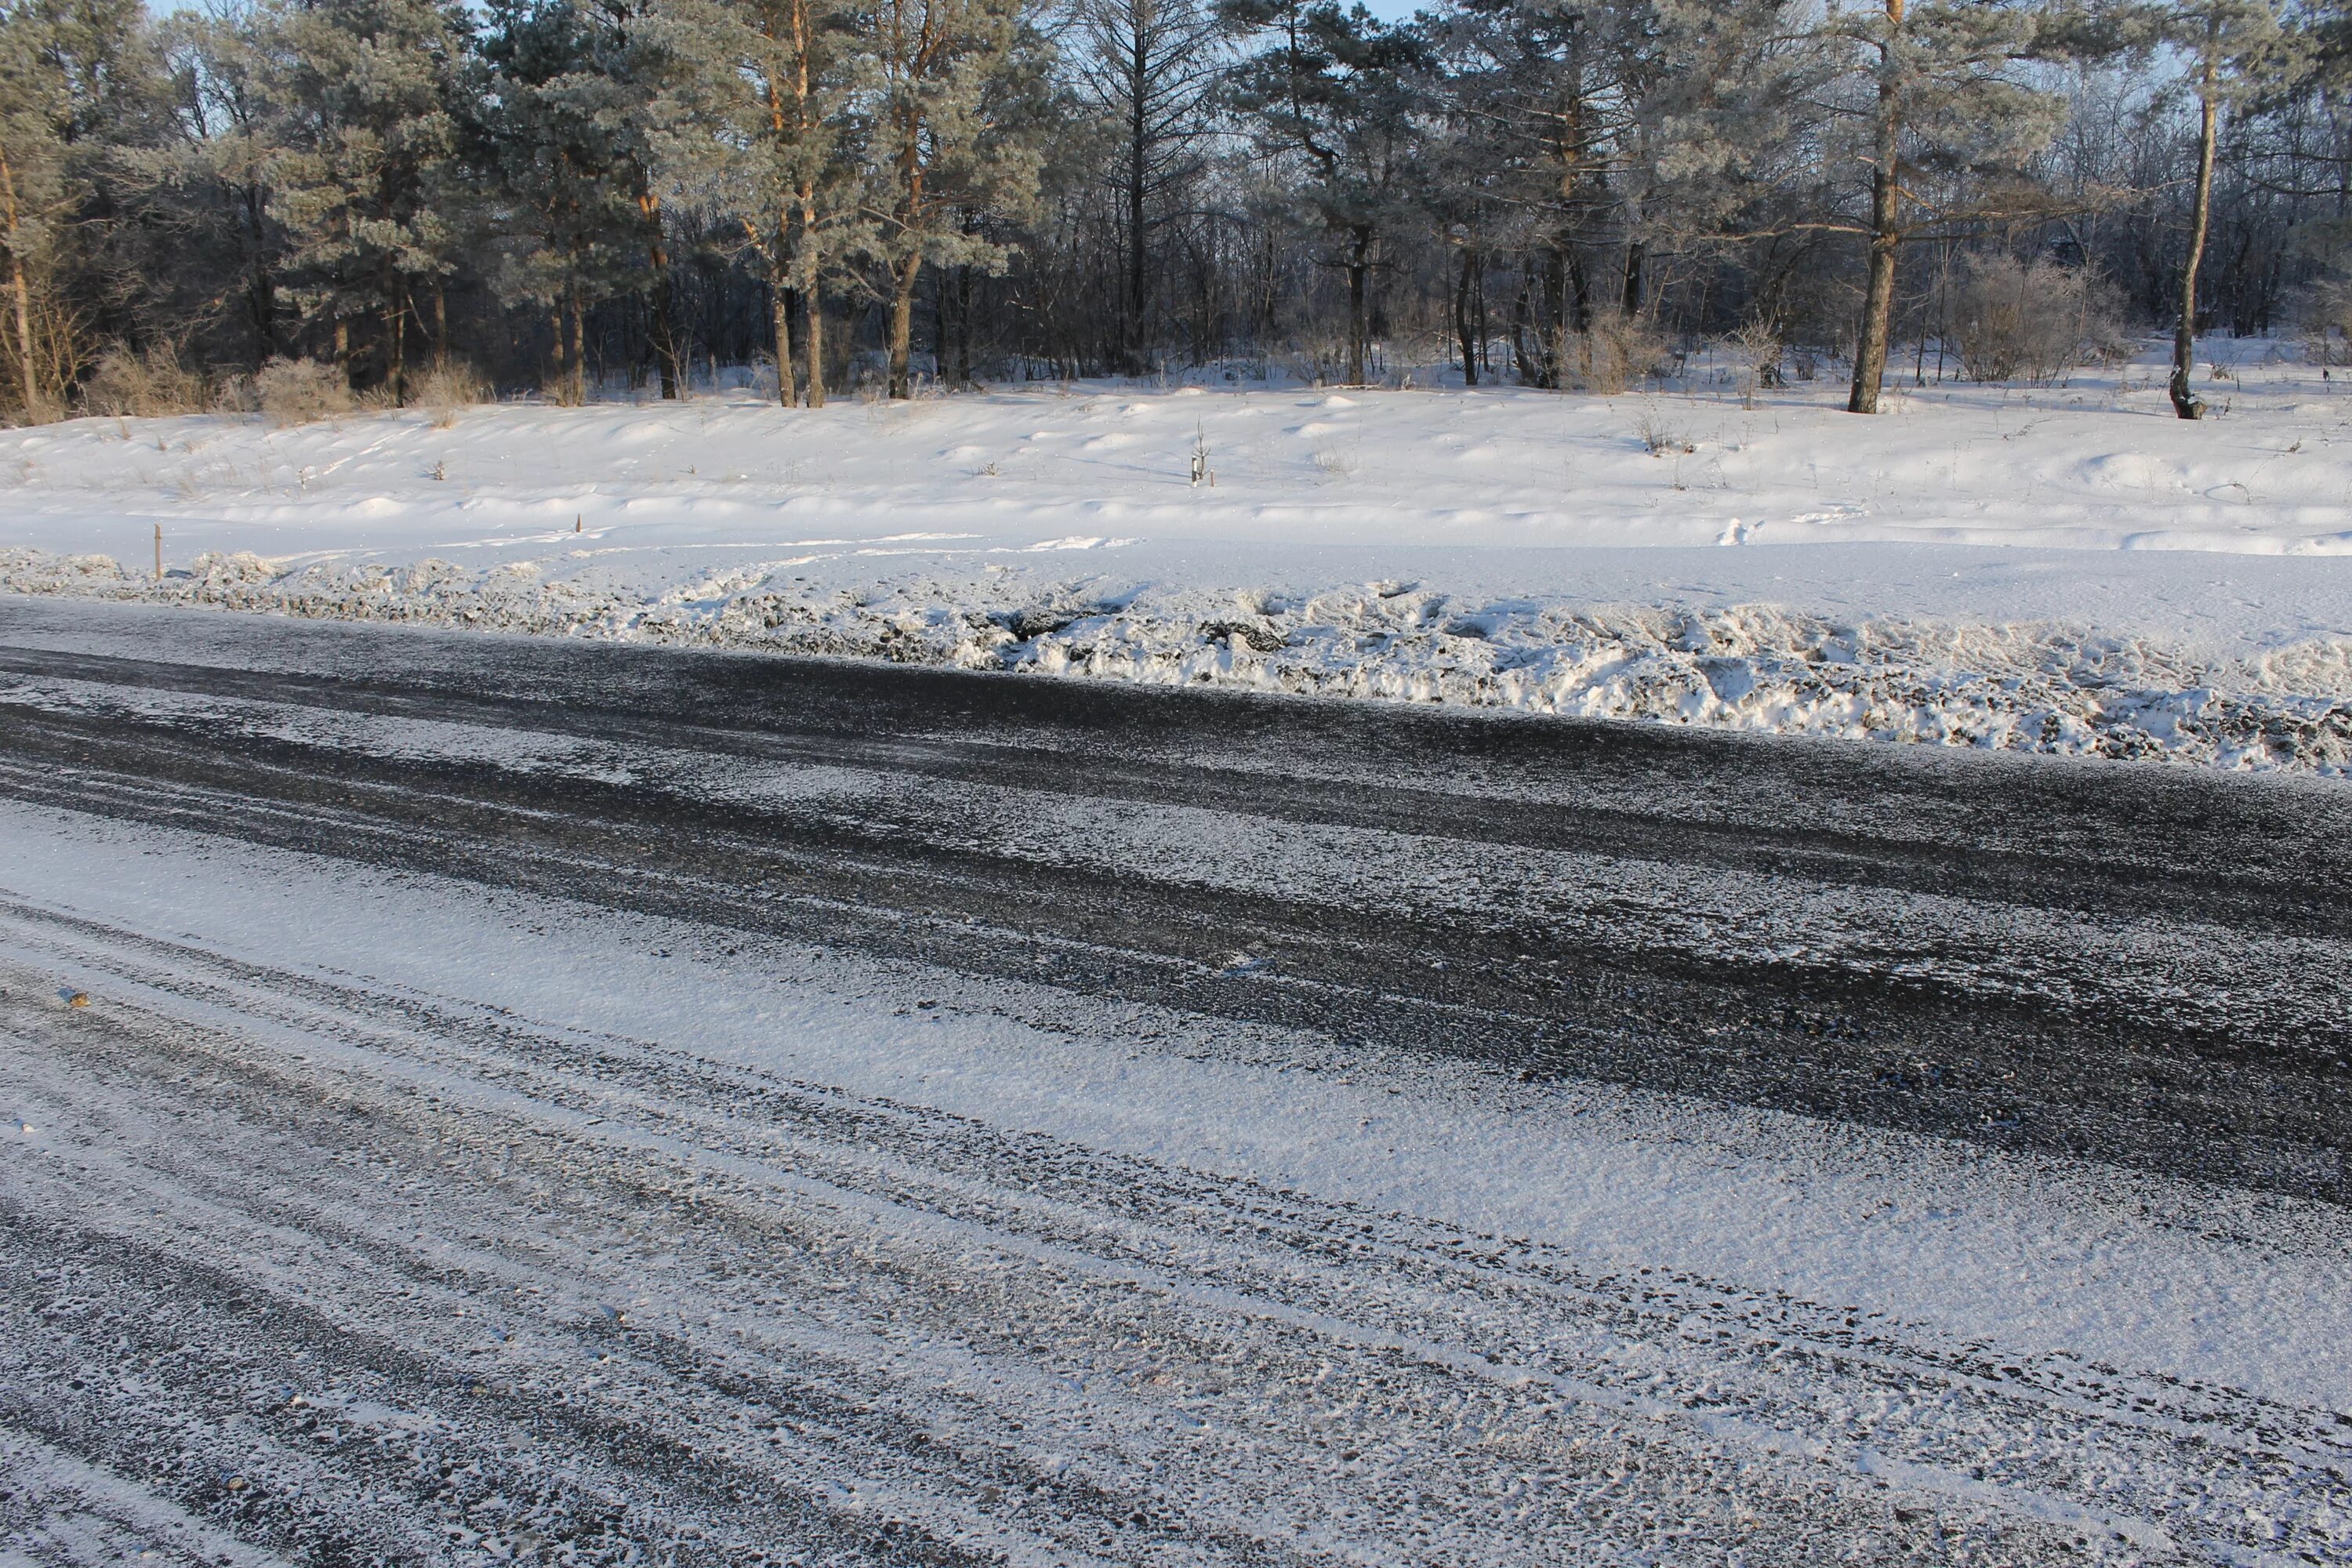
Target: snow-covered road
x,y
535,1103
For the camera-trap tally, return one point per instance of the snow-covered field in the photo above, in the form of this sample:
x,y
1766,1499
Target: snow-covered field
x,y
2062,569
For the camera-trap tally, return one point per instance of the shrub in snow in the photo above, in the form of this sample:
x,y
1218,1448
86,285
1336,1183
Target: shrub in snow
x,y
1755,352
2324,312
1657,437
299,391
143,386
444,389
1615,352
2034,321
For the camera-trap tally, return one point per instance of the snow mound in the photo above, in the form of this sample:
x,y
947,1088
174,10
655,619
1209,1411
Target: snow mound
x,y
2039,686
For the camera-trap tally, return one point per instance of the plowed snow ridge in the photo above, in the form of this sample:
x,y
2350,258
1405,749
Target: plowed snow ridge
x,y
2057,690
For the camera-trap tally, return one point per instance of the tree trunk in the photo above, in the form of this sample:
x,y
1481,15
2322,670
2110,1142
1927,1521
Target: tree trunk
x,y
440,325
1360,252
1485,358
1526,368
811,265
261,304
1266,287
902,327
1885,229
261,286
2184,401
1138,168
1462,324
815,321
1563,312
395,344
786,392
963,327
343,349
20,294
579,348
939,339
664,330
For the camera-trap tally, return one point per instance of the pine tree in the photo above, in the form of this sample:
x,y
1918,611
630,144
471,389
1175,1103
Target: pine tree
x,y
1537,94
1718,114
558,134
368,182
80,83
1947,97
35,194
956,90
775,146
626,84
220,164
1332,89
1464,172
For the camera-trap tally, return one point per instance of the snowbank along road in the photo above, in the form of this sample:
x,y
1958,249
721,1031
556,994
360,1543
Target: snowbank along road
x,y
2066,570
471,1100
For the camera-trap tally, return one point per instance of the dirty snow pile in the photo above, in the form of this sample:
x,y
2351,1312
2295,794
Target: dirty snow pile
x,y
2054,569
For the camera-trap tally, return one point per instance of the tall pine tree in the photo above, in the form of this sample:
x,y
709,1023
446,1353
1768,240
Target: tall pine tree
x,y
774,145
1331,91
368,182
955,127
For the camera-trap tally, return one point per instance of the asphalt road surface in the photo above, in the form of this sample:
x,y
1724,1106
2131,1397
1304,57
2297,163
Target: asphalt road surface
x,y
332,1233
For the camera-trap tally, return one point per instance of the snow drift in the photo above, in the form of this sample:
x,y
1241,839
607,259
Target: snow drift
x,y
2033,686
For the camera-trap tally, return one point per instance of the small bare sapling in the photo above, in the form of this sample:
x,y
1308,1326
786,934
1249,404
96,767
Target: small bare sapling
x,y
1659,440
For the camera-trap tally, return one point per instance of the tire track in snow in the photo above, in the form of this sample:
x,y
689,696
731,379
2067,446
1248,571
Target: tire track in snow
x,y
2189,1044
1080,1254
436,1280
